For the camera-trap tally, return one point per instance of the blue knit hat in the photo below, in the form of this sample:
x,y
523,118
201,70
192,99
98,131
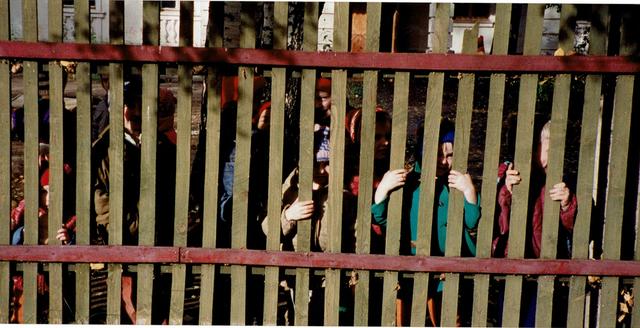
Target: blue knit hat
x,y
447,136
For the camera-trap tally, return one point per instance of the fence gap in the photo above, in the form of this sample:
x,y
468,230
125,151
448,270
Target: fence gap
x,y
491,162
433,111
522,163
211,176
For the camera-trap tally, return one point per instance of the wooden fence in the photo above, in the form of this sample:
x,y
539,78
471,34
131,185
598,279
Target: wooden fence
x,y
605,169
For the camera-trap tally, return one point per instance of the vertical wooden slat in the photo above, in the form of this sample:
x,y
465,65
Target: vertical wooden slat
x,y
618,162
31,190
83,159
433,108
210,210
558,129
147,206
183,161
455,214
5,161
56,103
363,220
491,158
305,165
336,159
116,168
522,160
276,139
586,172
241,170
398,147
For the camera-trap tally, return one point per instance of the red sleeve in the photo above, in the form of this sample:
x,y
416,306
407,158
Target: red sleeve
x,y
17,215
504,200
568,216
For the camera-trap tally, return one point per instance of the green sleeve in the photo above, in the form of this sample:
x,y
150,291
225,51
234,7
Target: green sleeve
x,y
471,214
379,212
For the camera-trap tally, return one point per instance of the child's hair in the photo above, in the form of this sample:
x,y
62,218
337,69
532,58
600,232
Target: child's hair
x,y
544,133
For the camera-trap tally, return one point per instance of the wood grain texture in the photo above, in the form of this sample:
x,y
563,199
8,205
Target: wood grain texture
x,y
5,163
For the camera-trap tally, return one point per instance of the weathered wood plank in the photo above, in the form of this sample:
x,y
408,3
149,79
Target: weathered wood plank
x,y
5,162
398,147
367,139
491,159
522,160
306,157
428,165
212,165
56,151
276,155
147,204
557,135
616,193
618,166
336,159
183,164
242,167
31,178
455,215
586,171
83,159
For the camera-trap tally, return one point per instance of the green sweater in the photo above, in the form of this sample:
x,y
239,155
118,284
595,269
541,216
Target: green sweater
x,y
410,209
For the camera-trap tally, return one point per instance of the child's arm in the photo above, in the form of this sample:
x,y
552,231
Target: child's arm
x,y
391,181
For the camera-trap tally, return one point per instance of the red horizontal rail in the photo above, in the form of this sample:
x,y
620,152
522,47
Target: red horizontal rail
x,y
133,254
262,57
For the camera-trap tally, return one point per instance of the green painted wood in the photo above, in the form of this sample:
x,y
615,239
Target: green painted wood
x,y
31,185
336,174
212,165
146,207
56,149
276,155
83,159
241,172
183,164
614,208
455,224
306,157
586,173
433,110
336,158
522,163
491,159
557,135
398,147
116,186
367,139
635,313
5,162
435,91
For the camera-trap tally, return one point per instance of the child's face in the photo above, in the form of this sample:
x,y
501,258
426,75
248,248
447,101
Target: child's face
x,y
543,153
445,158
321,173
323,101
263,120
44,197
383,137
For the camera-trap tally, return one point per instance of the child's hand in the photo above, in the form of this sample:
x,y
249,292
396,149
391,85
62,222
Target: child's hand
x,y
391,181
463,183
299,210
512,178
560,192
62,235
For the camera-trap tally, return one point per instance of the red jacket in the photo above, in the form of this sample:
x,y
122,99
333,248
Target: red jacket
x,y
534,222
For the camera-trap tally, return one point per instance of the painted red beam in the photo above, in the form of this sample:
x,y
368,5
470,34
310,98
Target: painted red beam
x,y
90,254
328,60
132,254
